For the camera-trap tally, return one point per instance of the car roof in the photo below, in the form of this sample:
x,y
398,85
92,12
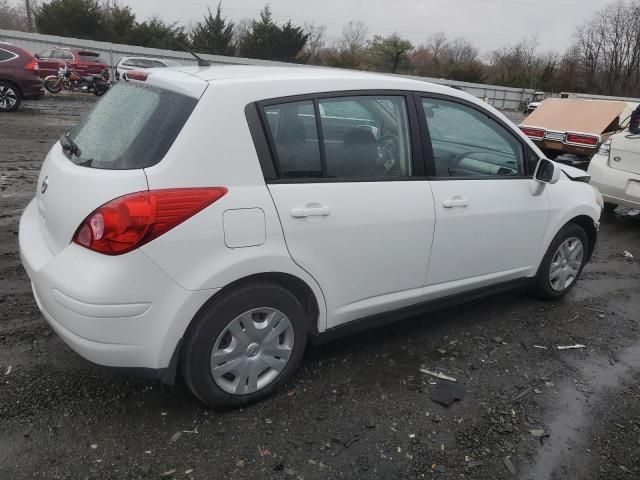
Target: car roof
x,y
334,75
147,58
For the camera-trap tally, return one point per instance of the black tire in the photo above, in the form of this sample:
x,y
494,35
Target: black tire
x,y
609,207
10,97
98,91
53,87
211,322
542,285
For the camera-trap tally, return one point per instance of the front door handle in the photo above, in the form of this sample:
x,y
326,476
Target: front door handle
x,y
457,201
315,211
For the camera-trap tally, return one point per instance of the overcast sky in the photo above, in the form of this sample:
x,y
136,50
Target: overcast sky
x,y
488,24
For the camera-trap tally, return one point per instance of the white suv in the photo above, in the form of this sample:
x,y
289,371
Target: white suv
x,y
240,212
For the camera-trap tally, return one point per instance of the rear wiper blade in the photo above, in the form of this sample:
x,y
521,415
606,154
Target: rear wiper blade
x,y
69,145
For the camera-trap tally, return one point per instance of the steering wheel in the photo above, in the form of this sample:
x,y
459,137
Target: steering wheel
x,y
388,153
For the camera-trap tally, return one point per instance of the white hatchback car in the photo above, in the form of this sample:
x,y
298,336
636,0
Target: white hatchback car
x,y
127,64
240,212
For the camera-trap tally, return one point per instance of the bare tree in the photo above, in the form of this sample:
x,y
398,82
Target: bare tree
x,y
12,17
241,28
354,38
315,42
349,50
609,49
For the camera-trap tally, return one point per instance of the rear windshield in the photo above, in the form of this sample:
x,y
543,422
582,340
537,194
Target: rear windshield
x,y
90,57
132,126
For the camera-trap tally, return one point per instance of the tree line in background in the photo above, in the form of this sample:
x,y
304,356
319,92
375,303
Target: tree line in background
x,y
604,56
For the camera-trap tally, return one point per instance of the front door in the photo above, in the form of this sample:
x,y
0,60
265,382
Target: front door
x,y
490,215
354,212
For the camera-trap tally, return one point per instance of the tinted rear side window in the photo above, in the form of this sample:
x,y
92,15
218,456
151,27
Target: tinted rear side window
x,y
90,57
132,126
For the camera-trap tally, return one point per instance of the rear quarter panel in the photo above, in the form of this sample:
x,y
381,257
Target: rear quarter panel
x,y
215,149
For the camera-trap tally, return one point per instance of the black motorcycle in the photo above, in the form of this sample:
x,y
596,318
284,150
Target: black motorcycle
x,y
69,80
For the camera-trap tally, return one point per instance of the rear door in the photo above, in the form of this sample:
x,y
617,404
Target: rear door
x,y
356,210
48,65
110,155
490,217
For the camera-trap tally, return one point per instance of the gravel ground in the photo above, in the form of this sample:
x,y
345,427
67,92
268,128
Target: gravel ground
x,y
359,407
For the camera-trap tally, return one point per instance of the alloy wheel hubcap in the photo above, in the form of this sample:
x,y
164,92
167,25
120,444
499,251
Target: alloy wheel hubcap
x,y
8,97
252,350
566,264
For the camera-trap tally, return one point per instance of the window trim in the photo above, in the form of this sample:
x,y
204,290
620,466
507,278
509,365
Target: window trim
x,y
270,165
428,146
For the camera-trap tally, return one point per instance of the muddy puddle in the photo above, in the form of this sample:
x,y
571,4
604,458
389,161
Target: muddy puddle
x,y
575,401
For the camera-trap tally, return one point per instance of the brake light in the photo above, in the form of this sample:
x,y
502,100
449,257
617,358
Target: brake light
x,y
32,65
578,139
130,221
137,75
533,133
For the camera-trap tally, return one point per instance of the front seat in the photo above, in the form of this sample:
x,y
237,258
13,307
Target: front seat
x,y
359,153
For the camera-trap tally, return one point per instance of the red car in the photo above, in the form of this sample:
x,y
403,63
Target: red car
x,y
82,62
19,77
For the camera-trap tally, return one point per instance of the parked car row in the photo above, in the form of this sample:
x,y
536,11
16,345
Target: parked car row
x,y
21,73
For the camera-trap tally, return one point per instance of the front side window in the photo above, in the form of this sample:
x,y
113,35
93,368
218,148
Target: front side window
x,y
363,137
467,142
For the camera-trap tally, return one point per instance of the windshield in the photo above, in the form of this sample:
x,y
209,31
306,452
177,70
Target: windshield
x,y
132,126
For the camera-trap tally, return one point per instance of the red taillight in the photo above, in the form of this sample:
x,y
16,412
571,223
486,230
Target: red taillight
x,y
587,140
136,75
128,222
534,133
32,65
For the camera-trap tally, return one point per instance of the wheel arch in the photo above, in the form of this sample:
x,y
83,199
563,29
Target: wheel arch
x,y
14,85
590,228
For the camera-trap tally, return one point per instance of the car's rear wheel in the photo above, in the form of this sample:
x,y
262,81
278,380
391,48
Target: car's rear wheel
x,y
563,262
244,345
10,97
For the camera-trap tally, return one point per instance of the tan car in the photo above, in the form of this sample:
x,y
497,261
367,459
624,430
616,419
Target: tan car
x,y
575,126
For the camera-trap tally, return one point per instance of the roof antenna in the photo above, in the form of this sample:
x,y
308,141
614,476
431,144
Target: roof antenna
x,y
201,61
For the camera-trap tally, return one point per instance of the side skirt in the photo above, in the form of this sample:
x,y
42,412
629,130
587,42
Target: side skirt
x,y
382,319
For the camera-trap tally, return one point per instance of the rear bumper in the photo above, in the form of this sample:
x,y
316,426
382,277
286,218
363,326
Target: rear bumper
x,y
564,148
613,184
120,311
32,88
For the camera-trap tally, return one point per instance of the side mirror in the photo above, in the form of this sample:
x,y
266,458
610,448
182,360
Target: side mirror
x,y
37,55
546,172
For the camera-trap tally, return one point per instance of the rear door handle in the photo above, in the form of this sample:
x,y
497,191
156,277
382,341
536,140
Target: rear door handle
x,y
310,212
457,201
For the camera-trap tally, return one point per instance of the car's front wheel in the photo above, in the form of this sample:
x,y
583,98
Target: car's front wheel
x,y
10,97
563,262
244,345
